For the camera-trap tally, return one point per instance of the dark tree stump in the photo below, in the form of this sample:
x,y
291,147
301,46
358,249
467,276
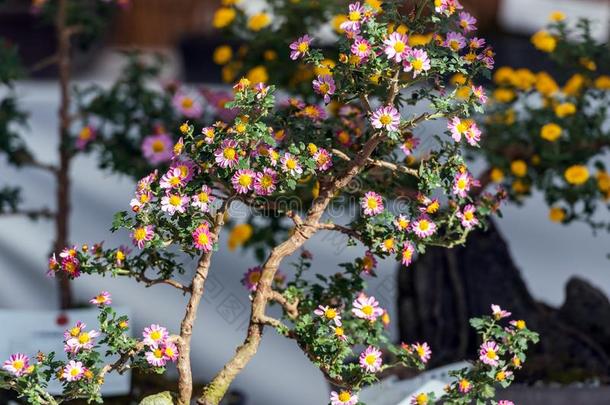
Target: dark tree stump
x,y
445,287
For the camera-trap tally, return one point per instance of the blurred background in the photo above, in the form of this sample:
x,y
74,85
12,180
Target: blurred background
x,y
547,255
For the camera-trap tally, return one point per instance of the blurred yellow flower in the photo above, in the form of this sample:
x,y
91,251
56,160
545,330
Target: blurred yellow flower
x,y
588,64
504,75
503,95
463,92
337,21
576,174
574,85
603,181
419,39
557,214
325,67
550,132
518,168
545,84
544,41
374,4
270,55
458,79
222,55
259,21
258,74
524,79
564,109
496,175
557,16
239,235
223,17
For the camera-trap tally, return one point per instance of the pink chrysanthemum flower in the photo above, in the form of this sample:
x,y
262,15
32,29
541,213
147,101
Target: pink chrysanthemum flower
x,y
467,216
172,179
265,182
300,47
18,364
203,199
487,57
409,144
120,255
371,203
328,313
407,253
156,357
396,47
387,118
173,202
423,351
369,263
476,43
467,22
388,245
142,198
202,239
464,386
370,359
170,351
102,299
154,335
83,341
261,90
462,184
417,61
157,148
343,398
313,112
86,135
145,182
488,353
498,313
366,308
402,223
243,180
424,227
251,278
71,265
188,105
68,252
226,155
187,169
447,7
323,159
361,48
74,331
479,93
209,133
290,165
455,41
325,86
53,266
73,371
355,16
141,235
218,100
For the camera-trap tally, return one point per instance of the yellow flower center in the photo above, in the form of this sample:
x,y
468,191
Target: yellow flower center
x,y
339,331
468,215
18,364
229,153
389,244
424,225
354,15
158,353
330,313
155,335
491,354
203,239
266,181
245,180
158,146
203,197
255,277
385,119
370,359
291,164
367,310
84,338
303,47
169,352
139,234
75,331
175,200
187,102
363,47
74,372
399,46
417,64
85,134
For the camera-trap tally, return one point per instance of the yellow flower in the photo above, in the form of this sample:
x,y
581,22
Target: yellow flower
x,y
223,17
576,174
545,84
229,72
557,16
588,64
463,92
564,109
603,181
374,4
270,55
337,21
458,79
574,85
325,67
520,187
544,41
421,399
222,55
603,82
230,2
504,75
551,132
496,175
524,79
503,95
518,168
259,21
258,74
239,235
557,214
419,39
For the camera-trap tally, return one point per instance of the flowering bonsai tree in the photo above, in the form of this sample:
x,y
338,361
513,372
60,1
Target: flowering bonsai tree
x,y
272,151
551,137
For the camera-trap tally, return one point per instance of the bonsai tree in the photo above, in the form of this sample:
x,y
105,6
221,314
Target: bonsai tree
x,y
272,151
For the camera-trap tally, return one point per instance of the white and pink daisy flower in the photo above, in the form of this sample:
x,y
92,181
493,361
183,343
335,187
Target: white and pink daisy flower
x,y
407,253
424,227
479,93
73,371
154,335
339,333
208,134
361,48
467,22
488,353
170,351
498,313
155,357
423,351
141,235
323,159
455,41
476,43
227,155
290,165
203,199
409,144
467,216
387,118
355,16
189,105
371,203
83,341
243,180
416,61
402,223
202,239
369,263
366,308
172,179
328,313
142,198
18,364
370,359
343,398
265,182
462,184
300,47
251,278
325,86
447,7
102,299
157,148
86,135
396,47
74,331
174,202
187,169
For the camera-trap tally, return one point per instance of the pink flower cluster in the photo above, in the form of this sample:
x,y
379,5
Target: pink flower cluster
x,y
160,348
